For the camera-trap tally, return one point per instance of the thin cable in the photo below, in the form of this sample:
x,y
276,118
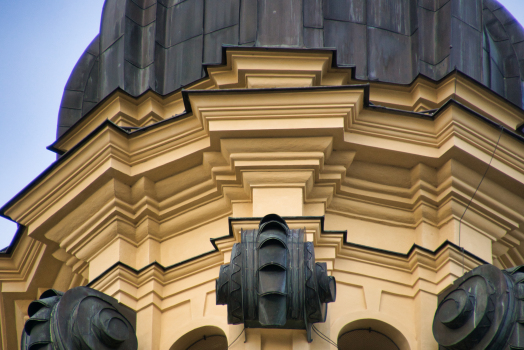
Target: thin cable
x,y
230,345
326,340
474,193
324,337
317,332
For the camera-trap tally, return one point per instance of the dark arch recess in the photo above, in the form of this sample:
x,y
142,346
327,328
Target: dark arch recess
x,y
202,338
371,334
378,339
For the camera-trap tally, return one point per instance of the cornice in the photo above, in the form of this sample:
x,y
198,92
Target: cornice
x,y
356,129
413,271
111,154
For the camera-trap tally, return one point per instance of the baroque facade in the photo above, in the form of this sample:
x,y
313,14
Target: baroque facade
x,y
394,143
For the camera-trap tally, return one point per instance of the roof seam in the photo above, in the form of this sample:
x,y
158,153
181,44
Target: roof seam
x,y
425,8
217,30
466,23
180,42
134,2
140,25
113,43
435,64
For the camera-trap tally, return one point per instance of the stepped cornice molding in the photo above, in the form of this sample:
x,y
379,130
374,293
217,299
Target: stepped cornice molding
x,y
111,159
403,273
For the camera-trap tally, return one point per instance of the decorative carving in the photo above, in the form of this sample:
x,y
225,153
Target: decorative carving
x,y
482,310
80,319
273,280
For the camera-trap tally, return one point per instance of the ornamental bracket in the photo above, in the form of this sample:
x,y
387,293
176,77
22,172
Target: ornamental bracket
x,y
273,280
484,309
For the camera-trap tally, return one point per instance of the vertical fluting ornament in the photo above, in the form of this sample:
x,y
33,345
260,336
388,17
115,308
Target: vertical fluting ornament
x,y
273,280
80,319
482,310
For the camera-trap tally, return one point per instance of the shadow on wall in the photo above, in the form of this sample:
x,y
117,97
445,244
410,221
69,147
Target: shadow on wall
x,y
370,334
203,338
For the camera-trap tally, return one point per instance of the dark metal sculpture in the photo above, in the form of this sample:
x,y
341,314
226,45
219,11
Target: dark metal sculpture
x,y
482,310
80,319
273,280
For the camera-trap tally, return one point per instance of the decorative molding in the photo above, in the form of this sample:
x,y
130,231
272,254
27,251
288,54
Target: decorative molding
x,y
145,183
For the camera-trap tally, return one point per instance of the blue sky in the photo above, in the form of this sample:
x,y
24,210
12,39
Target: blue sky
x,y
41,41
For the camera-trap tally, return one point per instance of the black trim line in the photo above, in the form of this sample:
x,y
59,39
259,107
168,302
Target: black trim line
x,y
287,218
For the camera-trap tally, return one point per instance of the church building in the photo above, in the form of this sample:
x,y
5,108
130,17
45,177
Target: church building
x,y
386,134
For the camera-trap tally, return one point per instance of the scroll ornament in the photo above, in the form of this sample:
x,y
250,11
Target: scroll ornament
x,y
79,319
484,309
273,280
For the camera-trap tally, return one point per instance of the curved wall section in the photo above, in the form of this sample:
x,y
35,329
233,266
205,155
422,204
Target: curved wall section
x,y
165,44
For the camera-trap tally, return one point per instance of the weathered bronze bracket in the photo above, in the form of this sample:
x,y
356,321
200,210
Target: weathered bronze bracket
x,y
80,319
482,310
273,280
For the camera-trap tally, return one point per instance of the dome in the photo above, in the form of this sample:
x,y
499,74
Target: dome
x,y
163,45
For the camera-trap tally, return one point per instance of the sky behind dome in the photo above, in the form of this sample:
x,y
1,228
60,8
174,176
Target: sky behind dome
x,y
40,43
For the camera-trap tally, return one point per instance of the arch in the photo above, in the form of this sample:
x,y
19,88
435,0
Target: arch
x,y
206,337
389,325
168,339
371,334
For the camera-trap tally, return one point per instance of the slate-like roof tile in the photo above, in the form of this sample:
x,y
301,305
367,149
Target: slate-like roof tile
x,y
466,51
139,47
279,23
349,39
313,37
248,21
220,14
141,16
345,10
313,14
435,34
392,53
213,43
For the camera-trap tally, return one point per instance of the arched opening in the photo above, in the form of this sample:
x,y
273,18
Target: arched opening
x,y
371,334
369,339
203,338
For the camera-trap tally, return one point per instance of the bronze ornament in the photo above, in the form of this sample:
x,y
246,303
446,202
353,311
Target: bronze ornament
x,y
482,310
273,280
80,319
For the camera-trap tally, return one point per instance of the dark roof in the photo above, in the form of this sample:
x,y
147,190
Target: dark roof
x,y
161,45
